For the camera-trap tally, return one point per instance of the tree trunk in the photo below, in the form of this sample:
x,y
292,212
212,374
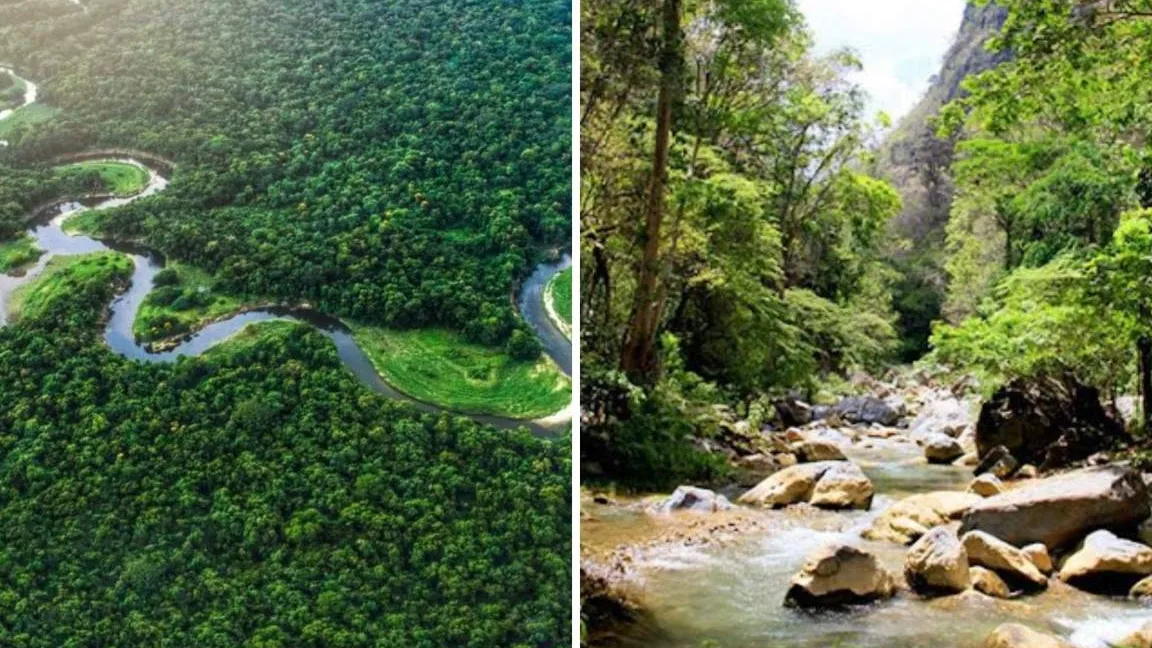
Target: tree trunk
x,y
638,357
1145,347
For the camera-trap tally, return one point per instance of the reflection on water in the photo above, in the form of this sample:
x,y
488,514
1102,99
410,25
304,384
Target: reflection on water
x,y
532,307
731,596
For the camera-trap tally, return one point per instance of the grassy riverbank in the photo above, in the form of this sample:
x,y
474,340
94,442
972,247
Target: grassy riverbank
x,y
64,276
119,178
182,299
27,116
560,292
17,253
12,90
439,366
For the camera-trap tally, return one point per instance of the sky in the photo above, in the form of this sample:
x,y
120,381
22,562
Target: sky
x,y
901,42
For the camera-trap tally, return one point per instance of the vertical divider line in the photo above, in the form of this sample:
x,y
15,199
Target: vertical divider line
x,y
576,324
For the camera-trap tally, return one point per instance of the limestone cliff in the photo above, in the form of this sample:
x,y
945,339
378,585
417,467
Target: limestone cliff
x,y
913,157
918,163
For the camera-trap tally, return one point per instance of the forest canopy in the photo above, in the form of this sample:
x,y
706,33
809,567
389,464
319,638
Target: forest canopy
x,y
398,163
258,496
1049,233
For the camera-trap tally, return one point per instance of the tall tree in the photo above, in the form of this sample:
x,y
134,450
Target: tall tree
x,y
638,356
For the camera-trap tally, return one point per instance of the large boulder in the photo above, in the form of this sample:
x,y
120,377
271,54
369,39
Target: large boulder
x,y
1014,635
941,449
1107,564
604,603
914,516
840,575
937,564
867,409
1046,422
843,486
988,583
753,469
691,498
740,439
1059,511
817,450
827,484
1007,561
947,415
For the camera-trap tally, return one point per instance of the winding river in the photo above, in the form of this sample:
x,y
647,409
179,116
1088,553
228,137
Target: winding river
x,y
31,91
48,232
732,594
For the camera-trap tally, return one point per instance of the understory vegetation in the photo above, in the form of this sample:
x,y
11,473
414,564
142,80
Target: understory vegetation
x,y
65,275
22,191
119,178
25,118
182,299
11,91
730,238
737,250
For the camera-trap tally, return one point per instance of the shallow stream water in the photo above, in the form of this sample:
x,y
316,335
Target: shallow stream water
x,y
731,596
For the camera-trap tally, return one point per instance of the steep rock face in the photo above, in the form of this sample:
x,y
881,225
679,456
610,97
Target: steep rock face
x,y
913,157
917,162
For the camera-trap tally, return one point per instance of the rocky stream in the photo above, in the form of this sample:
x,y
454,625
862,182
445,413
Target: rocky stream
x,y
916,516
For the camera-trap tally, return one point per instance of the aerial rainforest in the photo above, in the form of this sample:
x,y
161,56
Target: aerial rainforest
x,y
272,365
850,381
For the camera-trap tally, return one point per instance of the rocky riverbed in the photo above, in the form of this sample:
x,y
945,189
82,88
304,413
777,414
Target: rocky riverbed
x,y
864,524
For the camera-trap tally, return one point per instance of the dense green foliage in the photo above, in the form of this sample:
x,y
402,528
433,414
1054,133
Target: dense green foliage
x,y
17,253
258,497
182,299
65,275
395,162
392,162
26,118
23,190
11,91
1048,249
730,237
